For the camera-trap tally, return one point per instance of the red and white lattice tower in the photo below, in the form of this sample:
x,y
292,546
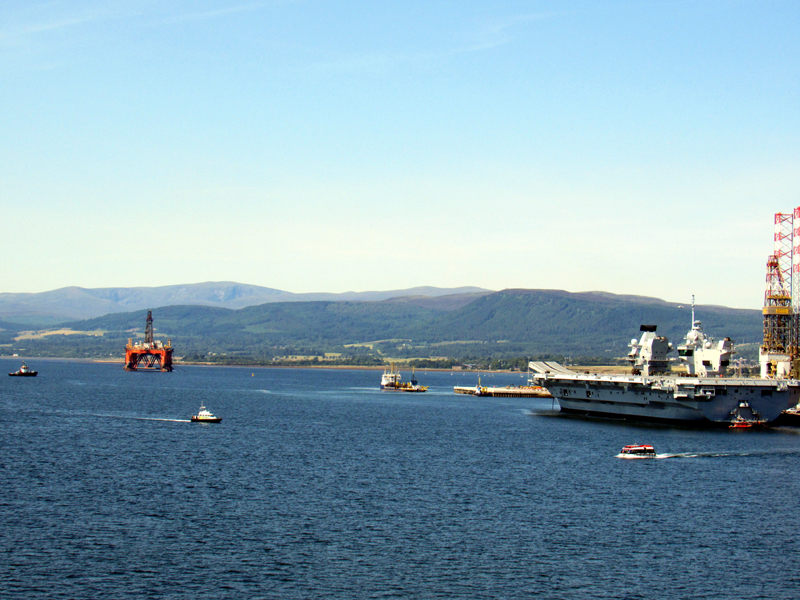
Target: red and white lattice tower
x,y
781,330
796,263
784,247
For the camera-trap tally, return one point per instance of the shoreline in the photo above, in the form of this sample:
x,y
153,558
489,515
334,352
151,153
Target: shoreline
x,y
245,366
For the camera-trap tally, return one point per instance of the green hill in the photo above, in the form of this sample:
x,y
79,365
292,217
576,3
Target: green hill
x,y
500,325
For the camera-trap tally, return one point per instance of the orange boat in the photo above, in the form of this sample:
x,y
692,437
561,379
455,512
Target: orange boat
x,y
741,423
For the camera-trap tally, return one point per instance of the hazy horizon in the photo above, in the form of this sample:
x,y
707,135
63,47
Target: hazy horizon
x,y
636,148
476,289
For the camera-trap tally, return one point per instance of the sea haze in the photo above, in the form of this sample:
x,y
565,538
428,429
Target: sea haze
x,y
316,484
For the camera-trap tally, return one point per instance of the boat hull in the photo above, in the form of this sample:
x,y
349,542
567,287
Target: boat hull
x,y
214,420
790,418
404,388
30,374
672,399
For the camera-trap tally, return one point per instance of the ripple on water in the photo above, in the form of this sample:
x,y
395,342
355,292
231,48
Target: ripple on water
x,y
317,484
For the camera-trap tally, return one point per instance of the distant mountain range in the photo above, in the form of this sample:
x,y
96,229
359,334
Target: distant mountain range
x,y
509,323
71,303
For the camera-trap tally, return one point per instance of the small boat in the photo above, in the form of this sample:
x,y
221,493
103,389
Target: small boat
x,y
637,451
24,371
204,416
741,423
413,385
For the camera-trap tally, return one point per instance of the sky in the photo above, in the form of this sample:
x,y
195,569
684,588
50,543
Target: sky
x,y
634,147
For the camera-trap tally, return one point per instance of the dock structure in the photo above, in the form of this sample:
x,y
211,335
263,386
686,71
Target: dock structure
x,y
504,392
151,354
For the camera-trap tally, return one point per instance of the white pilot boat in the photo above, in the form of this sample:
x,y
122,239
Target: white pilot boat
x,y
637,451
205,416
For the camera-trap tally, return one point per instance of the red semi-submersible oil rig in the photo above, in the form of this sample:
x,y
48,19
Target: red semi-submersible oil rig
x,y
149,354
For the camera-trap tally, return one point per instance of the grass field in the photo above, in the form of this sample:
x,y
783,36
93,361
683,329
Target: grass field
x,y
38,335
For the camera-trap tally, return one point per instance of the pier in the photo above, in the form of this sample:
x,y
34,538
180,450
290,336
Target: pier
x,y
504,392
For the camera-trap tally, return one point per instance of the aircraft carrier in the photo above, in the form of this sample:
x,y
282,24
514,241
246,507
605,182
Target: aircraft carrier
x,y
705,395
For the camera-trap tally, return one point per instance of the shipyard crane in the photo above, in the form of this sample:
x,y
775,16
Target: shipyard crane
x,y
778,354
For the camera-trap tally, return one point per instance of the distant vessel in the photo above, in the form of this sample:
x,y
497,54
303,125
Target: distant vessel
x,y
637,451
390,381
24,371
790,417
704,395
204,416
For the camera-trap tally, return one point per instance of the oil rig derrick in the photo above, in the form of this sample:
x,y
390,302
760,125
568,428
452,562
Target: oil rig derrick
x,y
149,354
778,354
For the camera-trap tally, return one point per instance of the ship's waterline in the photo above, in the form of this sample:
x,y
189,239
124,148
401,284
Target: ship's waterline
x,y
668,399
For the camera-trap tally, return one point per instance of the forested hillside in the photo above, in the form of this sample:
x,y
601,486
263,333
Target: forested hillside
x,y
511,323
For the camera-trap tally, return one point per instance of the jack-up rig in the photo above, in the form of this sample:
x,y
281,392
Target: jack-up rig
x,y
151,355
778,355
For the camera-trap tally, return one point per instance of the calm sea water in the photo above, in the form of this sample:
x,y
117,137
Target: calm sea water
x,y
316,484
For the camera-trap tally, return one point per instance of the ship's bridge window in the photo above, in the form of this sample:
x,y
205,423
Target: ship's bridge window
x,y
685,352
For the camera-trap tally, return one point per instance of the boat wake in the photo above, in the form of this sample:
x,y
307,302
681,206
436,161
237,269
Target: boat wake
x,y
720,454
144,418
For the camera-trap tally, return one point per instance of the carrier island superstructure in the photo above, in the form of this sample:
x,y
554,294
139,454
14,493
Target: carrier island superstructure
x,y
706,393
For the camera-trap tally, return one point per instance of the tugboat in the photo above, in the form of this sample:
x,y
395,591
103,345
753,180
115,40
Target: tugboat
x,y
413,385
637,451
739,422
204,416
24,371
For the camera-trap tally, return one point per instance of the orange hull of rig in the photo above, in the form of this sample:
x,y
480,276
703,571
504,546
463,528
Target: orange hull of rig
x,y
149,355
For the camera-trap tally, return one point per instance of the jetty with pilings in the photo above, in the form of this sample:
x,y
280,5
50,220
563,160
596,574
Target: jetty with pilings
x,y
522,391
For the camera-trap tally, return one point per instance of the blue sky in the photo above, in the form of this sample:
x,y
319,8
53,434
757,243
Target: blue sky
x,y
634,147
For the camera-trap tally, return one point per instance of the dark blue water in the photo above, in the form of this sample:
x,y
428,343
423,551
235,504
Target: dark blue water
x,y
317,485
